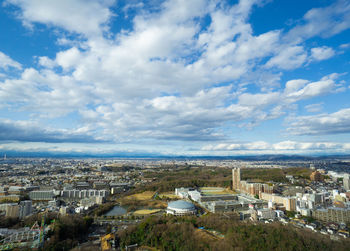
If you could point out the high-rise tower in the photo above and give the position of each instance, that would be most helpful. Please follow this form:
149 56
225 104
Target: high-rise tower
236 178
346 181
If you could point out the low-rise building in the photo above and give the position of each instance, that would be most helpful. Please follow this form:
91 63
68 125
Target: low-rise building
288 202
181 208
266 213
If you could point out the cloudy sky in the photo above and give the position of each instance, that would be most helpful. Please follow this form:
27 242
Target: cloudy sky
199 77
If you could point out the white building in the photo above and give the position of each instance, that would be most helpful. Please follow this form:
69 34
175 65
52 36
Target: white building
81 194
181 208
182 192
195 195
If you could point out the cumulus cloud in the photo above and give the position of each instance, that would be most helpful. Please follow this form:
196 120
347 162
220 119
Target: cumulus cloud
27 131
288 58
279 147
87 17
169 76
321 53
45 92
301 89
321 124
324 22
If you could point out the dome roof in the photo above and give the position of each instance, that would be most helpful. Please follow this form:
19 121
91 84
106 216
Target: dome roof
181 204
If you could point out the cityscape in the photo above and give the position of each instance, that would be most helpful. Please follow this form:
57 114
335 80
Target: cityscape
113 196
175 125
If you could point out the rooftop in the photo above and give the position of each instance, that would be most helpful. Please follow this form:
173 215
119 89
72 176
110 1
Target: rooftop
181 204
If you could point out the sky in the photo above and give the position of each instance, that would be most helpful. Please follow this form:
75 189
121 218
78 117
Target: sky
175 77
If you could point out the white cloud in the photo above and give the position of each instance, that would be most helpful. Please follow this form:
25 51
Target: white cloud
68 58
258 100
31 131
345 46
288 58
321 53
301 89
321 124
295 85
46 62
6 61
46 93
283 147
324 22
314 107
167 76
88 17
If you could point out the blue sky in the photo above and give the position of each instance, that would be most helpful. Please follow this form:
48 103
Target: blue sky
175 77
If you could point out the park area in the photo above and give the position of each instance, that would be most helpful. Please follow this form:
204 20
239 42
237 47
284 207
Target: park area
142 200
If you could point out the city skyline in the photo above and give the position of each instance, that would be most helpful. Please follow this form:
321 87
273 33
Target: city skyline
195 78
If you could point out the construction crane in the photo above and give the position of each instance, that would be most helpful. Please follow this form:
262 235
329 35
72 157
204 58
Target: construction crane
32 238
108 242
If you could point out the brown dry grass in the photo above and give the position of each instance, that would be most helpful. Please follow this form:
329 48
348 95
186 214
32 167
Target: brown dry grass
147 195
142 200
170 195
146 211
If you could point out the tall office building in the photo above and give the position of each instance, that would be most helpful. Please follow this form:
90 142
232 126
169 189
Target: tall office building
236 178
346 181
25 208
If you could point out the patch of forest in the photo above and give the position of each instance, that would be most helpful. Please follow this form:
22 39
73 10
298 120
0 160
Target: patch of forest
65 231
198 177
215 176
274 174
183 233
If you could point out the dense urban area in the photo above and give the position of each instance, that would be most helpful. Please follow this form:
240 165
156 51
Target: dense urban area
174 204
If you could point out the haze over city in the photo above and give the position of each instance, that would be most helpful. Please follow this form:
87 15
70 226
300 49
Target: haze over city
178 77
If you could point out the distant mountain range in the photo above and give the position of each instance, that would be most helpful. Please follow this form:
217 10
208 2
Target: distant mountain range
270 157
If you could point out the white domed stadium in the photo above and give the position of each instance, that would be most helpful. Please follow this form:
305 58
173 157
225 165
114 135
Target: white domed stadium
181 208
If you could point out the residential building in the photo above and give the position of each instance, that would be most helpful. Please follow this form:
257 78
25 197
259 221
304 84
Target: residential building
12 210
288 202
251 188
41 195
333 214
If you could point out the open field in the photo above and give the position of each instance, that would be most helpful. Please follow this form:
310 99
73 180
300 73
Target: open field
147 195
146 211
170 195
141 200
